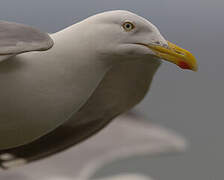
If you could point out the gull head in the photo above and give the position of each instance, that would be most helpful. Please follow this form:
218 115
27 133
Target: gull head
124 35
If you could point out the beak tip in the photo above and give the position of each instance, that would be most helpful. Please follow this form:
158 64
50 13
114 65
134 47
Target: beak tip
185 65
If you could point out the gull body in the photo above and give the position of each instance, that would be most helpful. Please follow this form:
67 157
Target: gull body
96 70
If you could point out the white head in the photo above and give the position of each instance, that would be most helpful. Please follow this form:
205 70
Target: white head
120 31
126 35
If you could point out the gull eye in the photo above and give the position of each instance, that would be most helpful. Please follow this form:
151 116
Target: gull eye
128 26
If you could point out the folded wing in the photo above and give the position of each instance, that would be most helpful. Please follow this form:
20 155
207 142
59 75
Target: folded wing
18 38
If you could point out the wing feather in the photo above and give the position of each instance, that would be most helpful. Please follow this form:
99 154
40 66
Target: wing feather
18 38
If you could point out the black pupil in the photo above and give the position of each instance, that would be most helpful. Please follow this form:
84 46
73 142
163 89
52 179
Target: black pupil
128 26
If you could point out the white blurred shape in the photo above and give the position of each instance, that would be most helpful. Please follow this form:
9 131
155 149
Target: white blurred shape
127 177
127 136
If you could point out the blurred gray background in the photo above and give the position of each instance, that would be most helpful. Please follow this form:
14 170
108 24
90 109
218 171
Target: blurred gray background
190 103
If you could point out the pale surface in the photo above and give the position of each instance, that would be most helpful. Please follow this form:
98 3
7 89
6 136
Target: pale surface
128 177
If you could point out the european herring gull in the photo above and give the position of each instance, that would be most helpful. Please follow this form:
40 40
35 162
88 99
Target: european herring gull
96 70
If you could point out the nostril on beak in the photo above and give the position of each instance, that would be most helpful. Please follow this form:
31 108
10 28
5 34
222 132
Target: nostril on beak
178 52
161 44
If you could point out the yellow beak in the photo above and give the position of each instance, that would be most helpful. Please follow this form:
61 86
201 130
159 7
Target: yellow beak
176 55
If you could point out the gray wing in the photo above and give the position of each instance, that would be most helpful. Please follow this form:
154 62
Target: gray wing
128 135
18 38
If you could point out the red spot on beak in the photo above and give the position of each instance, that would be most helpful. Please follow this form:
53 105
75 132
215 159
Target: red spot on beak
184 65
